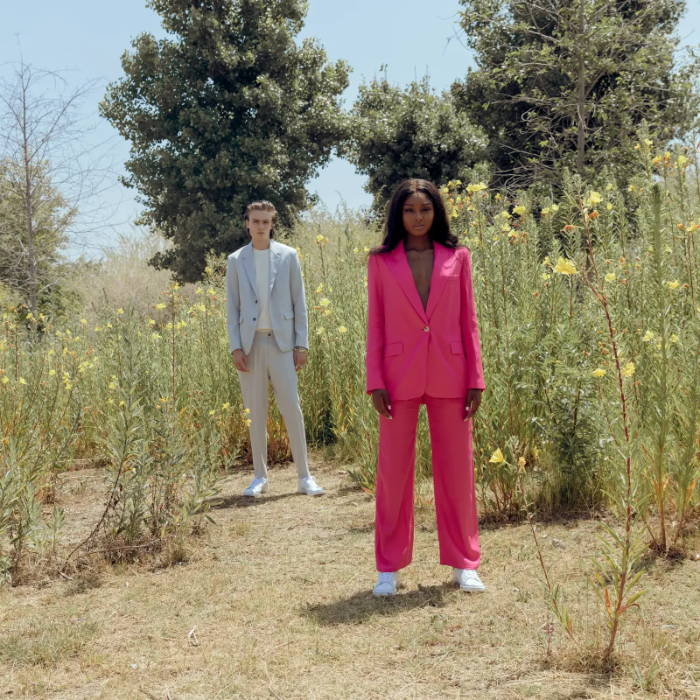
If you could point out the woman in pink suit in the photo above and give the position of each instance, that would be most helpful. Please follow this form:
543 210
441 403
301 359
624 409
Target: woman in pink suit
423 347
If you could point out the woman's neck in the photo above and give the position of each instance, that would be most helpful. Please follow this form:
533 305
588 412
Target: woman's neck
418 244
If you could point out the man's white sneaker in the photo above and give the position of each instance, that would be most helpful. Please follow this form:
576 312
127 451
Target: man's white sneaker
468 580
309 486
257 486
387 582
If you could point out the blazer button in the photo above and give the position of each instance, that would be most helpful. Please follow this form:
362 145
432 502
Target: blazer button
425 328
253 319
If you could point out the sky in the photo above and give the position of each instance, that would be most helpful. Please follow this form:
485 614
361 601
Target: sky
84 40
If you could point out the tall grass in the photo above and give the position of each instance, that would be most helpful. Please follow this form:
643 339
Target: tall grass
141 381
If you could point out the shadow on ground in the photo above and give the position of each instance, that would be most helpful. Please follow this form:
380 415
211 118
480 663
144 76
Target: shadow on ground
363 605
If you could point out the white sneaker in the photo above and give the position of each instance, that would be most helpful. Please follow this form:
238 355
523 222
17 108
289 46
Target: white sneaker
387 582
257 486
309 486
468 580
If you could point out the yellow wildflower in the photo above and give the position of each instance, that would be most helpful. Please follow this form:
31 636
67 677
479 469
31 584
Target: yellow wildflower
565 267
520 210
674 284
598 372
593 198
160 306
342 329
324 301
120 311
478 187
648 336
497 457
22 380
629 369
674 338
610 277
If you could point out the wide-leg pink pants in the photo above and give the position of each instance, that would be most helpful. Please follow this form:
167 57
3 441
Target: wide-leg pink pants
453 479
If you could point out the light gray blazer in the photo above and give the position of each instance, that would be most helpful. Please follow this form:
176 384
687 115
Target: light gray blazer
286 301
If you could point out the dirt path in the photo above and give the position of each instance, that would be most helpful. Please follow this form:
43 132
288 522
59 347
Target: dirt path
275 602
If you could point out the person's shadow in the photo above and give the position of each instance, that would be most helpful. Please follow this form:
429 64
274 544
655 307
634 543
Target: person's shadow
237 501
362 606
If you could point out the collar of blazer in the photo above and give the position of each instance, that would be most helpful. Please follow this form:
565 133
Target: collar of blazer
397 262
248 263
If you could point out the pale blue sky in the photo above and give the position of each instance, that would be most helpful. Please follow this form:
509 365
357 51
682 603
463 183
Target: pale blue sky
85 39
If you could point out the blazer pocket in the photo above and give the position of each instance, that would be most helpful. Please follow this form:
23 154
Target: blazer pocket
457 348
393 349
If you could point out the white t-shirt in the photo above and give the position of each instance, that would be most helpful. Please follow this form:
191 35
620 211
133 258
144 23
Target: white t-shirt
262 280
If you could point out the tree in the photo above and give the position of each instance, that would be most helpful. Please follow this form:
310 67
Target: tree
568 83
35 216
397 134
226 110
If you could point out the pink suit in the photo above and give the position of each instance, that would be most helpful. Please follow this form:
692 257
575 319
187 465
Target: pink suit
429 356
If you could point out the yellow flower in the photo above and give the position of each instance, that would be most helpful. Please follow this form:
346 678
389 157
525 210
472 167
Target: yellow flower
321 239
52 372
520 210
478 187
4 380
160 306
319 289
628 369
120 311
546 276
83 322
648 336
674 284
598 372
342 329
609 206
22 380
565 267
199 290
246 411
497 457
320 330
324 301
555 207
594 198
610 277
212 412
546 211
248 422
673 338
521 464
682 161
225 406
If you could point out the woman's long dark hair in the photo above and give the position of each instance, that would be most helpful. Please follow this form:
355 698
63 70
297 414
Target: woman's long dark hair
395 232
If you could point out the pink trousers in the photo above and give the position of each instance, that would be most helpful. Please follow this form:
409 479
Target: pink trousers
453 479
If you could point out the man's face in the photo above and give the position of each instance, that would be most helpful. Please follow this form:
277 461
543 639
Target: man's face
259 225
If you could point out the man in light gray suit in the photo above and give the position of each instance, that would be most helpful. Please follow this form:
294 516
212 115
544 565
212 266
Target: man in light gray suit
268 339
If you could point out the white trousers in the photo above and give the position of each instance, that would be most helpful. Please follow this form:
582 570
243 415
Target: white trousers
267 363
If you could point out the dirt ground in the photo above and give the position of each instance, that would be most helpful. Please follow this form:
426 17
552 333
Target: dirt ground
274 601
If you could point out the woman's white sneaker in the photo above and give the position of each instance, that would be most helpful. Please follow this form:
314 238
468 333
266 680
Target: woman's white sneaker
387 582
468 580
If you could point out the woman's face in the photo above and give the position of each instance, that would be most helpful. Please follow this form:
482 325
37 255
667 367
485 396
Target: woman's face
418 214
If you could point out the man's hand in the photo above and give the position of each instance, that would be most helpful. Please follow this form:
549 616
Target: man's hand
240 359
380 399
300 357
472 403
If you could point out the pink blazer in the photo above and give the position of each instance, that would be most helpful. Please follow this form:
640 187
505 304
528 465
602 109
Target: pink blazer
412 351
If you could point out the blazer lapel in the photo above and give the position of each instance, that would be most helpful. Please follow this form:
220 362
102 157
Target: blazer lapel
246 258
275 257
398 264
437 279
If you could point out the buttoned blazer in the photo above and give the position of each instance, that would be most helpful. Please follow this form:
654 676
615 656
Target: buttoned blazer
287 305
412 351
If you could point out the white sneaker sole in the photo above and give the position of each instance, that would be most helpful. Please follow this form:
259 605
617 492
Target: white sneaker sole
255 494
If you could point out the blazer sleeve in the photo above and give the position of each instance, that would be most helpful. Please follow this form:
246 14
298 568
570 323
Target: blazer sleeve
233 306
301 323
375 327
469 326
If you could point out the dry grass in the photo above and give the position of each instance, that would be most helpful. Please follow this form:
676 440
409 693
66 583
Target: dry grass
274 601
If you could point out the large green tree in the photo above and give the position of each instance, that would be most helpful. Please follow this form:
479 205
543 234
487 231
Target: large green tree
227 109
399 133
568 83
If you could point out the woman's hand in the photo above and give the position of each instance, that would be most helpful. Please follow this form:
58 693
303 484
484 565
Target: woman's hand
472 403
381 402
